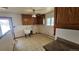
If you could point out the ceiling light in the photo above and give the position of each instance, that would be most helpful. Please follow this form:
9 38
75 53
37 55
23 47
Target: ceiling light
34 15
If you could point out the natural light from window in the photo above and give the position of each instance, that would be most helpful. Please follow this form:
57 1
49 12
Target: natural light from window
50 21
5 27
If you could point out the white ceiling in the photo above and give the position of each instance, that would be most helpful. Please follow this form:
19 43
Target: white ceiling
27 10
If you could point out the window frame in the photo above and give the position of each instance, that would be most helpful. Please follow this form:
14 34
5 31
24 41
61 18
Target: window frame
3 17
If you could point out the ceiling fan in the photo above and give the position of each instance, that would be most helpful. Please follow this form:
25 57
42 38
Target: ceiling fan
34 11
34 15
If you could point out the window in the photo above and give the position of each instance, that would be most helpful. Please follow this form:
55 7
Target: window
4 25
50 21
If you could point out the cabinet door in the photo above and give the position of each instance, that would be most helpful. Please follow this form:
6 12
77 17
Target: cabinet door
67 17
62 15
27 20
40 18
34 21
74 16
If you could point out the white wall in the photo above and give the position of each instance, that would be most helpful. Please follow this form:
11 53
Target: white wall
46 30
71 35
49 30
15 17
6 42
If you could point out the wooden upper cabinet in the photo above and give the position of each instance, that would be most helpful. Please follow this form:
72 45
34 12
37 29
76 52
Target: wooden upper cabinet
27 19
62 15
67 17
74 16
40 18
34 21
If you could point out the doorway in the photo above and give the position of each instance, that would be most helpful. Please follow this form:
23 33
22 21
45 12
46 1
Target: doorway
6 25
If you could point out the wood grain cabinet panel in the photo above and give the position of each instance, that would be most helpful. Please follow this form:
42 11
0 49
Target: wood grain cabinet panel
63 16
67 17
74 16
27 19
40 18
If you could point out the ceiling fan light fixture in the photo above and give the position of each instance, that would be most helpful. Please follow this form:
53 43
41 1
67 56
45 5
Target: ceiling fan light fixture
34 15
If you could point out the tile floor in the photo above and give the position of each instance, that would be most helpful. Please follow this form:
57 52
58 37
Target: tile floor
33 43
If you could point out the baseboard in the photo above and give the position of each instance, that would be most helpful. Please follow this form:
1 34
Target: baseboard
19 37
51 37
23 36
